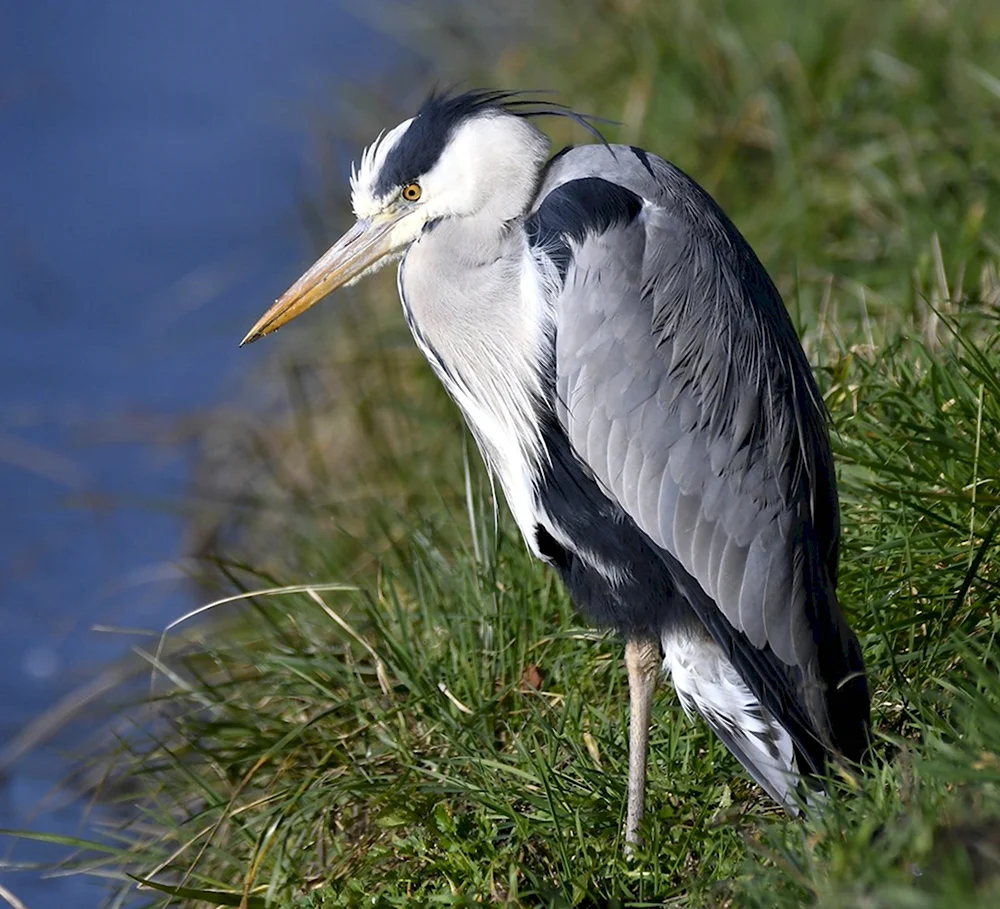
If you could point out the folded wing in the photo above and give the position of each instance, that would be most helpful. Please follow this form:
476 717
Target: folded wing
682 386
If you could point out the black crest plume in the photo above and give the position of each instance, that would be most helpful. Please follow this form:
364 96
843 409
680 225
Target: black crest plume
442 111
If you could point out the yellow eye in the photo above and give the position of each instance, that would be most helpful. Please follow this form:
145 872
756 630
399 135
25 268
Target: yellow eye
411 192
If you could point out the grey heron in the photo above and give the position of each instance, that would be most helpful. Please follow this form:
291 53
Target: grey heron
634 382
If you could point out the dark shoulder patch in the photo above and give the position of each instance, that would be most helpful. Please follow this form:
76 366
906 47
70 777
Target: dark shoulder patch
590 205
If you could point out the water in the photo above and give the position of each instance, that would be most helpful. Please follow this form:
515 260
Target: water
150 158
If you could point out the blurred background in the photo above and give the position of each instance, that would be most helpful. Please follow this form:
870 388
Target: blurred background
168 167
152 161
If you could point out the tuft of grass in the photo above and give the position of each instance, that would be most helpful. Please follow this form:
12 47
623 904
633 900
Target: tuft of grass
447 732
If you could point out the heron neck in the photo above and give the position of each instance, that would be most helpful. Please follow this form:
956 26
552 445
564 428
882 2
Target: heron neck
471 240
461 285
463 291
460 267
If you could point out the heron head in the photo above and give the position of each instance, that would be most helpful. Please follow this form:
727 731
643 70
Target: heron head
473 156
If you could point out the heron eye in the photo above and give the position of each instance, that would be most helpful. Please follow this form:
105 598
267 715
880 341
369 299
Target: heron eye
411 192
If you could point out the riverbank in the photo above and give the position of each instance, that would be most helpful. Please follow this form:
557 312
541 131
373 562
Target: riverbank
447 731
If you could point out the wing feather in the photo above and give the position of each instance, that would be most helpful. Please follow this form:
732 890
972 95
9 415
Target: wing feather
685 392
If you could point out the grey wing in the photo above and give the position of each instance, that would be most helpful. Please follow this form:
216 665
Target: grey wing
682 386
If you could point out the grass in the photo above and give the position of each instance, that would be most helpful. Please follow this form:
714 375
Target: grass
447 731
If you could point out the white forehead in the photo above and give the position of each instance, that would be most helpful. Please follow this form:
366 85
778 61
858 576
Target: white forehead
476 158
363 199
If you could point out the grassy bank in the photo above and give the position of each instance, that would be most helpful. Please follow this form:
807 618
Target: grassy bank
447 731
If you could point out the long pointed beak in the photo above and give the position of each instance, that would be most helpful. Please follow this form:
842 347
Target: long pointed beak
367 242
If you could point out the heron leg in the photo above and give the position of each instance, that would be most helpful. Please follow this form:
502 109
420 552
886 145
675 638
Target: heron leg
642 658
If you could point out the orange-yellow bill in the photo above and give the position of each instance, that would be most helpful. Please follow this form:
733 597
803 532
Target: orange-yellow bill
348 259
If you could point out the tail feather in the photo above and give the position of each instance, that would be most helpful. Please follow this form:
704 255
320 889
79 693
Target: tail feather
707 683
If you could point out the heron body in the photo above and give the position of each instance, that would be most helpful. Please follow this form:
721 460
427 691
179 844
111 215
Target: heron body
634 382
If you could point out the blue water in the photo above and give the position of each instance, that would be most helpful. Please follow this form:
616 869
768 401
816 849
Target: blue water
151 157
